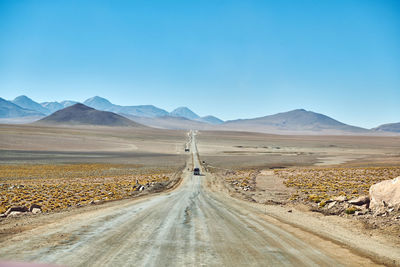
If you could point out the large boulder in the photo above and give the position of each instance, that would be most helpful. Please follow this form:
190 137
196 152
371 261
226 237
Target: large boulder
35 206
36 210
385 194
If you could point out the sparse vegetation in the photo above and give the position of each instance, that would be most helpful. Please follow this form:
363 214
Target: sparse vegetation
320 184
56 187
351 210
242 179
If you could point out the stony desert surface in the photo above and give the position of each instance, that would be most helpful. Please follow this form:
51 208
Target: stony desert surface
319 176
91 144
118 193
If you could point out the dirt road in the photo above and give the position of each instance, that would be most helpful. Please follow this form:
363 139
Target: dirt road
189 226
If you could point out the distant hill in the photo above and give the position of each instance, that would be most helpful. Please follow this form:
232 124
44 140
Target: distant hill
68 103
141 110
185 113
296 121
144 111
27 103
211 120
170 122
11 110
55 106
80 114
52 106
99 103
389 127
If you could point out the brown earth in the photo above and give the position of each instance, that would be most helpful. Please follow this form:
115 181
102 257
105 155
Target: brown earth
205 221
238 150
91 144
234 156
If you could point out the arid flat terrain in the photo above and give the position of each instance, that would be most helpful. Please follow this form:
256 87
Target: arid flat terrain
236 150
91 144
238 212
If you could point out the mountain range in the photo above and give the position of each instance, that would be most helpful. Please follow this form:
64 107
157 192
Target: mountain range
79 114
297 121
10 110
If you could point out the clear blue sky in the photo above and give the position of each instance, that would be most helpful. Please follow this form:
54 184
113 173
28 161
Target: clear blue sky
232 59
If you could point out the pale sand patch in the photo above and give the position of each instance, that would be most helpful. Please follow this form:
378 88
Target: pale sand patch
336 160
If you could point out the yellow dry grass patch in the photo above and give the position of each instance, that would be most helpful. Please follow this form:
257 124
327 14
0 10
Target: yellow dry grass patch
60 186
319 184
242 178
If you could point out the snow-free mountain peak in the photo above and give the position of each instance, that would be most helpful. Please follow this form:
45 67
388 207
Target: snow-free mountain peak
99 103
27 103
211 120
185 113
10 110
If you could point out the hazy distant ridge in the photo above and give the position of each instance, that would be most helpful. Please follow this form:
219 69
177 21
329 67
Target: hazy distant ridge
185 112
298 120
142 110
27 103
389 127
11 110
55 106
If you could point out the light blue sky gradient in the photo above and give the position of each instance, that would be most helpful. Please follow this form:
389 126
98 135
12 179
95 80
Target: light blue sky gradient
232 59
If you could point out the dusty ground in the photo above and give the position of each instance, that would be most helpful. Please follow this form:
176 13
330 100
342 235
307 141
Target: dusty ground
248 165
235 150
196 224
43 145
204 221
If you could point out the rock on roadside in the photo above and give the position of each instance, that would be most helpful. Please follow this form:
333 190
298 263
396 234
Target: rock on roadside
16 208
15 213
359 201
340 198
385 194
36 210
35 206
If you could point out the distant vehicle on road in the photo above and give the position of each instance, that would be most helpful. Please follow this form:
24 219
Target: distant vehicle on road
187 150
196 171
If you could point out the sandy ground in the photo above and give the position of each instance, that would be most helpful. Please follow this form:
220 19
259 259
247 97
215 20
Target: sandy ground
197 224
47 145
235 150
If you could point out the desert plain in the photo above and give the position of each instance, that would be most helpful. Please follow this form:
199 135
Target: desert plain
127 196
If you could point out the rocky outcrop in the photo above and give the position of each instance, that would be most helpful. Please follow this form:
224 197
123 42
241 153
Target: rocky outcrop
15 211
385 194
16 208
340 198
359 201
15 214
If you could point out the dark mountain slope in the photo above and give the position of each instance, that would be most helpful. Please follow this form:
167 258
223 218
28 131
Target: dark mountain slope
80 114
